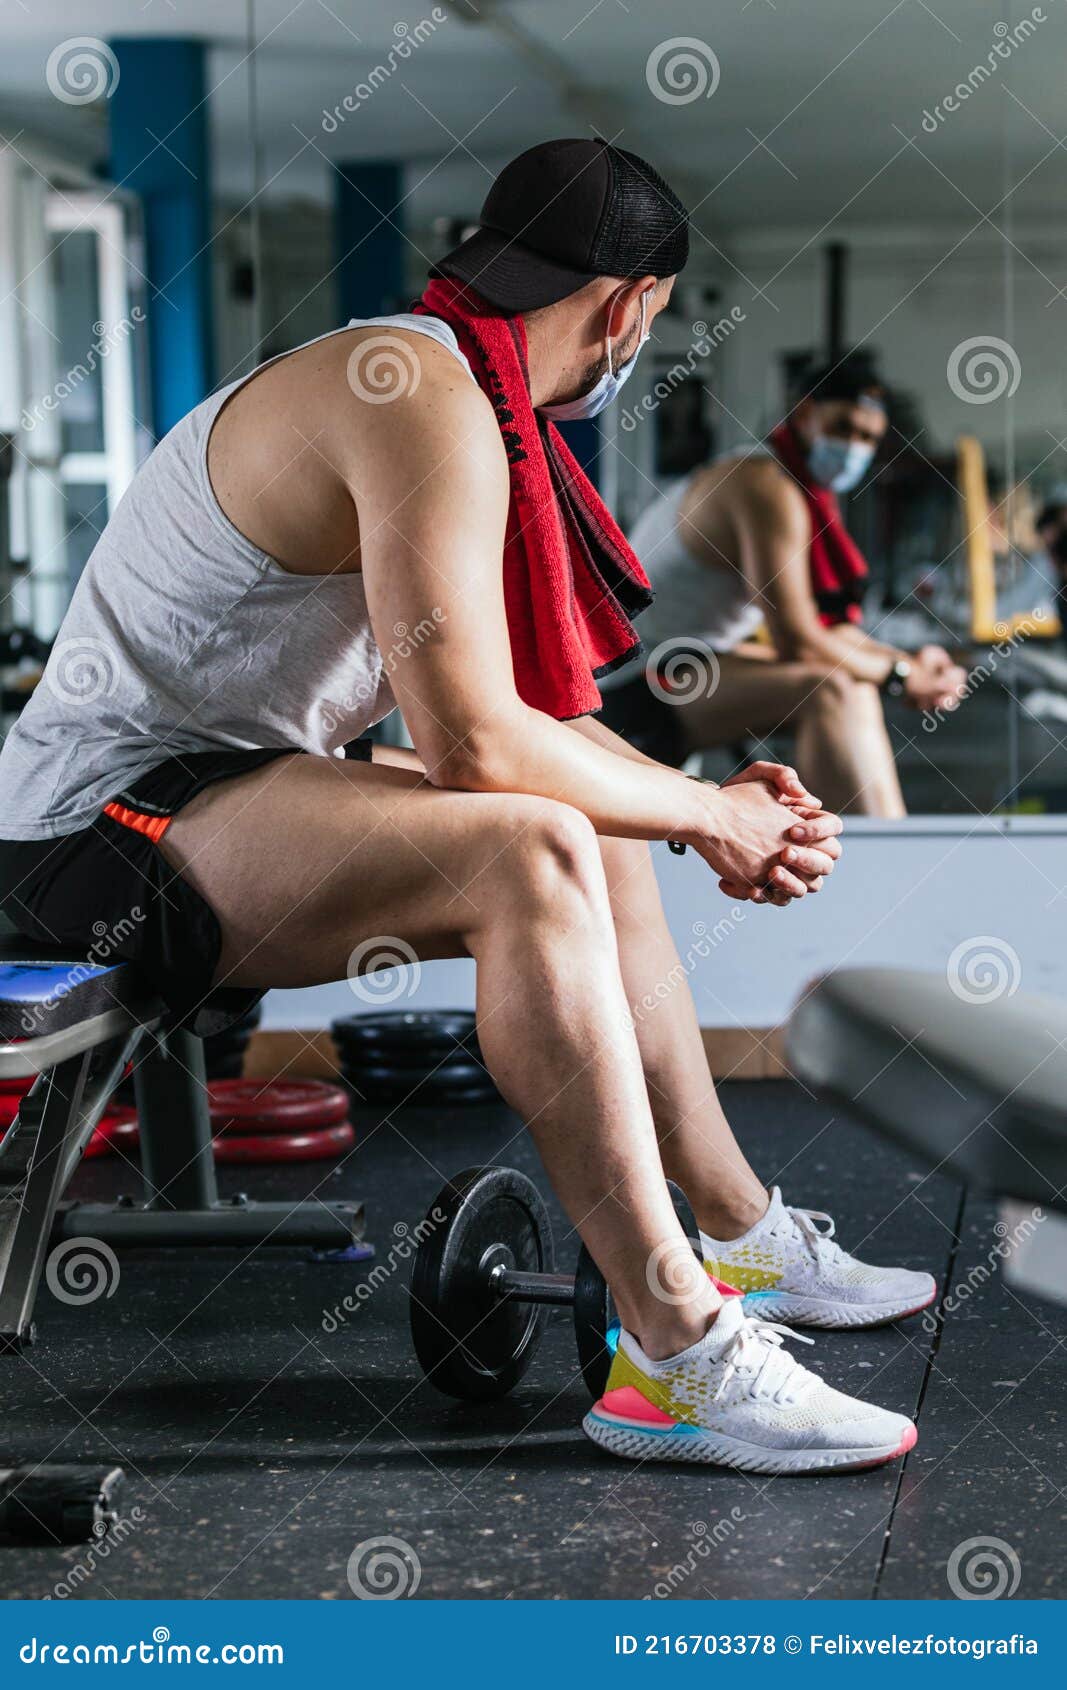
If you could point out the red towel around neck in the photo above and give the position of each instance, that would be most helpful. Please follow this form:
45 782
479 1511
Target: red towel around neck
838 567
571 582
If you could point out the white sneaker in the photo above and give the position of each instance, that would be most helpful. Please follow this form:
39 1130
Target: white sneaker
737 1399
789 1268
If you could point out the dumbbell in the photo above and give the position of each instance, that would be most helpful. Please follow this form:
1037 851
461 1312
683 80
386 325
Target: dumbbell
484 1279
58 1504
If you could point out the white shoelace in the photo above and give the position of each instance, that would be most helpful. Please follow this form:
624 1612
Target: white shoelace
755 1350
819 1239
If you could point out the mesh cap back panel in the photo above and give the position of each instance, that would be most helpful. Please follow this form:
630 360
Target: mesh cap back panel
646 227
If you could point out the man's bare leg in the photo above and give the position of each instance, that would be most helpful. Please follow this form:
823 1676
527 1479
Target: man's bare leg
697 1144
843 751
843 740
308 858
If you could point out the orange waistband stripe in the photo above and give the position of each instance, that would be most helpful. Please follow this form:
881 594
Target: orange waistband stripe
153 827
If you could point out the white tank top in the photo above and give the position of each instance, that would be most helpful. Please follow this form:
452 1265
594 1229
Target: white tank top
182 636
694 600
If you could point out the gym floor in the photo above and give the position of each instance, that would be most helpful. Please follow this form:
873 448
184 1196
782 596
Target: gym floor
261 1448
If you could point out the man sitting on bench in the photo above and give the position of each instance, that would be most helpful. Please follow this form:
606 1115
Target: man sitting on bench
387 515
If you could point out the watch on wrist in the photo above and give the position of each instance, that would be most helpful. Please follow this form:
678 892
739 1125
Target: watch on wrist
678 845
896 681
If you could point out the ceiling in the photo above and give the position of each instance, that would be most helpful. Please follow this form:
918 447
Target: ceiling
816 121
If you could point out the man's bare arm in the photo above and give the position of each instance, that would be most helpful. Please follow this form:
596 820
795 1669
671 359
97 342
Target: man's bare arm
773 529
432 496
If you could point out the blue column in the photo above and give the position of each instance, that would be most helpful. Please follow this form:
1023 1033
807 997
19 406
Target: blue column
369 240
159 150
583 438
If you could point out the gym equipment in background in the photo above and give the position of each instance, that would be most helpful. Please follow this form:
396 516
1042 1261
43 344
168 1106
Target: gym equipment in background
224 1054
484 1278
986 626
58 1504
962 1071
421 1058
86 1024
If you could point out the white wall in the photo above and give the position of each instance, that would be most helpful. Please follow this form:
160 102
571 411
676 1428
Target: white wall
914 294
900 898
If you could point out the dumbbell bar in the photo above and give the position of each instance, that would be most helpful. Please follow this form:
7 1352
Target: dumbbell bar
484 1276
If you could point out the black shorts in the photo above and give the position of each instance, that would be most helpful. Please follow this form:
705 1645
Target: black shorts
109 892
645 721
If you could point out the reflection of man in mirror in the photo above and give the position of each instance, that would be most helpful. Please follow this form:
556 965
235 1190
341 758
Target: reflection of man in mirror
1052 532
753 545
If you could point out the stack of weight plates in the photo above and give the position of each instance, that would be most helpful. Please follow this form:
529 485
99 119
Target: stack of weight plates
421 1058
224 1053
278 1120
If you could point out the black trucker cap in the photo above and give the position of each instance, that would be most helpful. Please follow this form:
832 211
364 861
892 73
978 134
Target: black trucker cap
564 213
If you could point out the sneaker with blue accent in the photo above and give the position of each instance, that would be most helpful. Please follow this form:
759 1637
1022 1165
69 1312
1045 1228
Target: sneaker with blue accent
739 1399
790 1267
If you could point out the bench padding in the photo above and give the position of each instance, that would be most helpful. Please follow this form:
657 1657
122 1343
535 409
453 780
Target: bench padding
979 1086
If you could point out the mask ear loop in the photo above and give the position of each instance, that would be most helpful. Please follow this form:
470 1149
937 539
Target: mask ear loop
640 337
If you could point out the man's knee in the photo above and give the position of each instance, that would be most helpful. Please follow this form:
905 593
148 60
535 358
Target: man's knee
827 688
552 852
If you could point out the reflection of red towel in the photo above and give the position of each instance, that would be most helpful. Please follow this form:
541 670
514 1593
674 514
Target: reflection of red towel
838 567
571 582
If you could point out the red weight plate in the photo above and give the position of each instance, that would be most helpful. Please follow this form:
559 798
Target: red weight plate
286 1147
275 1106
109 1130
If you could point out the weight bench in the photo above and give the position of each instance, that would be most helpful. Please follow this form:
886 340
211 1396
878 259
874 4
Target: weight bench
75 1025
978 1087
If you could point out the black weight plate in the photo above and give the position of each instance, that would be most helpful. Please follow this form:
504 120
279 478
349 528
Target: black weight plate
470 1343
390 1054
595 1319
595 1324
405 1026
226 1067
452 1077
684 1210
421 1097
411 1058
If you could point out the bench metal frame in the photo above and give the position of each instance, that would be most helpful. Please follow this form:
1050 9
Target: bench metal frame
77 1069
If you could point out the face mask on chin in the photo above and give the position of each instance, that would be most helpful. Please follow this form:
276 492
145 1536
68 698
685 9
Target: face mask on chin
838 464
603 392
